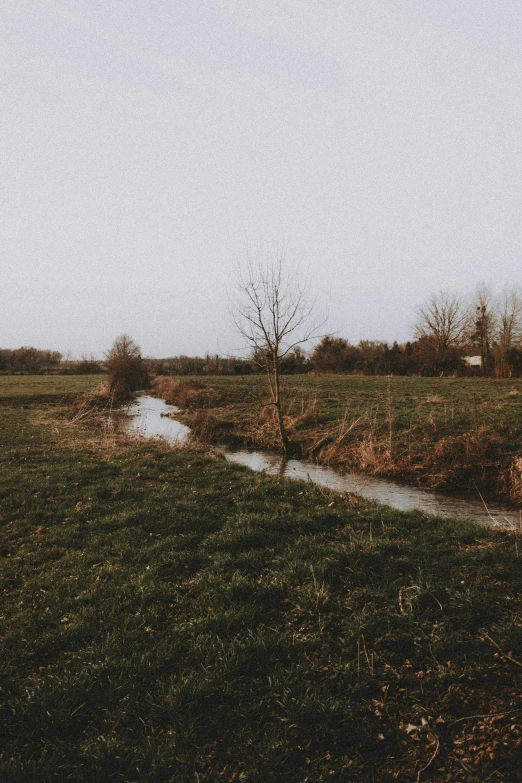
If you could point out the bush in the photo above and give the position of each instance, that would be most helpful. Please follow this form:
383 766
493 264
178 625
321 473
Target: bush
127 371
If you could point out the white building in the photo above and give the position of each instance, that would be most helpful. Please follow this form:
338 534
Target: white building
473 361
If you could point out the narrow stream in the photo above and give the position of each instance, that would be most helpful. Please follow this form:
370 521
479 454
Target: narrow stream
148 418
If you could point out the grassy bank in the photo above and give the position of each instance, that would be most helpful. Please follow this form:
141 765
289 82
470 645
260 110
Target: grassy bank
438 432
170 617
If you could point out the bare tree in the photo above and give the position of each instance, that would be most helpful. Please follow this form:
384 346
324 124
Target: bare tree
509 318
482 322
273 313
442 321
509 328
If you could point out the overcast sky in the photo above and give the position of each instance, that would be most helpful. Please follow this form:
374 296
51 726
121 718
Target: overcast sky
145 144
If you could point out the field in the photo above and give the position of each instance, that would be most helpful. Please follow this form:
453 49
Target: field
438 432
168 617
52 388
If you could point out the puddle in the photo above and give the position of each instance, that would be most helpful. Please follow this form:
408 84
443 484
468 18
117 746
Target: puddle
147 418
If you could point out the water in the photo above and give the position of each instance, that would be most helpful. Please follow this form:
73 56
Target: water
147 418
403 497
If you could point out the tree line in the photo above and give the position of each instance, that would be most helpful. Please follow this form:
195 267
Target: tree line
28 361
486 325
448 331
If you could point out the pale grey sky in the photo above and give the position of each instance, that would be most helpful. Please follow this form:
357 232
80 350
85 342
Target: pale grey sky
144 144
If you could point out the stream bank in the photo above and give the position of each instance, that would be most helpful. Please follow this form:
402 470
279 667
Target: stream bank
151 417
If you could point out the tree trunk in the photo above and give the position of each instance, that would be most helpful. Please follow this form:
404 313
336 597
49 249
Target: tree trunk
285 443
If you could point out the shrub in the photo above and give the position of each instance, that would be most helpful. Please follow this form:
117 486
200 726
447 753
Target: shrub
127 371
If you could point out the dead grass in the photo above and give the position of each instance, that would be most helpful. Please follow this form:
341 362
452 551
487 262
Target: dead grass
435 433
188 395
93 407
456 459
205 428
434 399
513 480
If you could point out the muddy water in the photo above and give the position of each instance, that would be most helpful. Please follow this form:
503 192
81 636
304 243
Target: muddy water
147 417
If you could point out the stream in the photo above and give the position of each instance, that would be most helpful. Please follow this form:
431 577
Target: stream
149 417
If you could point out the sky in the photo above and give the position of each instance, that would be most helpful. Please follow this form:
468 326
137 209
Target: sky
148 147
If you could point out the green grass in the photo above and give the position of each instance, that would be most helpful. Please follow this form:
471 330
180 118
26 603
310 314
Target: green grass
170 617
45 386
441 432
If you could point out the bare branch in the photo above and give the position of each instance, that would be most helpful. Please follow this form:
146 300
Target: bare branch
272 313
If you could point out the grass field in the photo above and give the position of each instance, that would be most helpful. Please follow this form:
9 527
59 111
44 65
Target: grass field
440 432
169 617
44 387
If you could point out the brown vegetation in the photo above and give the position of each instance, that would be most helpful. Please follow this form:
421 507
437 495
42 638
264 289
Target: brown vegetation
188 395
126 369
438 434
462 459
93 407
513 480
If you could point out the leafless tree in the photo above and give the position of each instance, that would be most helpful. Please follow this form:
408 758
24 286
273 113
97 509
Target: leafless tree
509 328
509 318
482 321
273 313
442 321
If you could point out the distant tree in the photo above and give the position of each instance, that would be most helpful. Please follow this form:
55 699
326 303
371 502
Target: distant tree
508 333
509 316
481 326
30 361
331 355
441 325
126 368
272 312
87 365
373 357
296 362
424 359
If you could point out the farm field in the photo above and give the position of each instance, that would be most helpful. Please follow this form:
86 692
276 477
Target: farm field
45 387
167 616
438 432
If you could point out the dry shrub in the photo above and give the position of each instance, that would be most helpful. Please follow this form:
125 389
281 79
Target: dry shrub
92 407
368 455
305 419
186 394
162 385
369 458
267 414
512 483
460 458
263 431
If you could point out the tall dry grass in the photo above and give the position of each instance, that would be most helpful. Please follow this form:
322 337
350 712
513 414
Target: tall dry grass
189 394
